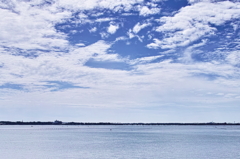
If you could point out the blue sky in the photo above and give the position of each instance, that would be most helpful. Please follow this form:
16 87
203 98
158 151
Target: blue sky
120 60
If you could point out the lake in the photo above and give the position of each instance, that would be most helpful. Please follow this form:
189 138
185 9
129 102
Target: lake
119 142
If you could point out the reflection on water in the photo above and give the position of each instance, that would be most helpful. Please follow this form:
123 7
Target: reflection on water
120 142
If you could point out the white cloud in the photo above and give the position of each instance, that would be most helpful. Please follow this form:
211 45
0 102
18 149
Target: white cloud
133 35
235 26
130 34
187 57
151 4
144 59
30 28
197 1
82 16
192 23
160 78
76 5
121 38
112 28
31 25
97 14
234 58
103 19
145 11
94 29
128 14
52 66
138 27
108 57
104 35
80 44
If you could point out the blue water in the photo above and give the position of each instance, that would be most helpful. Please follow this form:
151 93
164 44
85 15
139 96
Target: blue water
120 142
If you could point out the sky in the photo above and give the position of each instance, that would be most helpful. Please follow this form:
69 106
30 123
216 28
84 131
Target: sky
120 60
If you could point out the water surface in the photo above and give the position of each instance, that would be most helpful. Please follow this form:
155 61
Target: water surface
119 142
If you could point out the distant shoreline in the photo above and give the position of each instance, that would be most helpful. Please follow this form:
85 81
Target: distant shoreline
103 123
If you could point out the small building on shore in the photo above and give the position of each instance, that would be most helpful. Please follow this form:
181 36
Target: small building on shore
57 122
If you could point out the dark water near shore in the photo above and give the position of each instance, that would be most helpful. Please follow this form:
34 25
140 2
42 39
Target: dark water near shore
120 142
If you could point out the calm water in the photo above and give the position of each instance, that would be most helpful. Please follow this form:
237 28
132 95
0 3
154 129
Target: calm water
120 142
